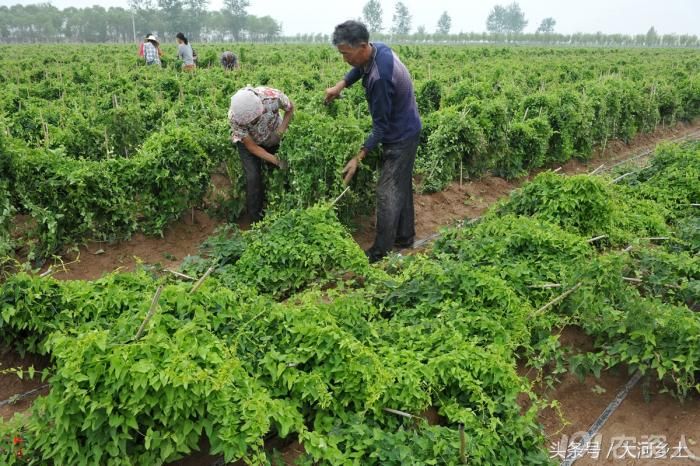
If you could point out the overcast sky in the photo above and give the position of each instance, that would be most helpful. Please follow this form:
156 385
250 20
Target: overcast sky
608 16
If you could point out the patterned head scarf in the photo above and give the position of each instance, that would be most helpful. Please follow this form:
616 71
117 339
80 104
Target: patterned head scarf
246 106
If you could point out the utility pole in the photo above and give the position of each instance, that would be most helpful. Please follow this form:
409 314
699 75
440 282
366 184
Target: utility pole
133 24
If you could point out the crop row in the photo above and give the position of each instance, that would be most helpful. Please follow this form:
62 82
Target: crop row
294 333
506 110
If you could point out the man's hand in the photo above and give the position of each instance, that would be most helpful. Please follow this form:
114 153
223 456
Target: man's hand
333 93
349 170
281 164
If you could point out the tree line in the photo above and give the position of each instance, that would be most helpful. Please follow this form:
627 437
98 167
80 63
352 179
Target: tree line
42 23
504 24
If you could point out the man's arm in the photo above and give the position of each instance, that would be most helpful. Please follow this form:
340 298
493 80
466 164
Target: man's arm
380 107
260 152
288 114
350 78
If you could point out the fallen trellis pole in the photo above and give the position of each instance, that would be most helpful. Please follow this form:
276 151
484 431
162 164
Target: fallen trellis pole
593 240
546 285
621 177
559 298
639 280
151 312
596 170
633 280
180 275
201 280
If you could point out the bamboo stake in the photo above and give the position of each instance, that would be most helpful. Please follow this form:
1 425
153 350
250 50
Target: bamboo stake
546 285
559 298
656 238
151 312
633 280
596 170
558 169
180 275
201 280
621 177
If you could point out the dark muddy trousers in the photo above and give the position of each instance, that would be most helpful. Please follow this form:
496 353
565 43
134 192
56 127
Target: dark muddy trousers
254 188
395 216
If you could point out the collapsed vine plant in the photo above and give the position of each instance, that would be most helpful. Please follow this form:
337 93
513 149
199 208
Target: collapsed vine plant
311 341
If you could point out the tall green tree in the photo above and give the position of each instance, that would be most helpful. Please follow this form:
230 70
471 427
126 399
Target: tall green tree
444 24
173 12
372 15
509 19
547 26
402 20
652 37
235 16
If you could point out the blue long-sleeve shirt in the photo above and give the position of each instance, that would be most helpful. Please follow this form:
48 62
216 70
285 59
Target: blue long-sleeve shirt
389 92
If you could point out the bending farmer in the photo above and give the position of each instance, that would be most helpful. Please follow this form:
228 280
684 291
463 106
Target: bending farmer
256 128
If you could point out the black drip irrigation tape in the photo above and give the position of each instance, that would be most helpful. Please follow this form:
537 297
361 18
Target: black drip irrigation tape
688 137
605 415
20 396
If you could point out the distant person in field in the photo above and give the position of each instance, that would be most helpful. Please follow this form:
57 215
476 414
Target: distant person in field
141 46
395 125
257 128
185 52
151 50
229 61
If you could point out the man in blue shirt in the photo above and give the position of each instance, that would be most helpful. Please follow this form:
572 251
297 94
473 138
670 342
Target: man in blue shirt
395 125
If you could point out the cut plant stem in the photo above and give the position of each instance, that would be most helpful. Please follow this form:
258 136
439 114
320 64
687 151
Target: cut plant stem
462 445
339 197
151 312
399 413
